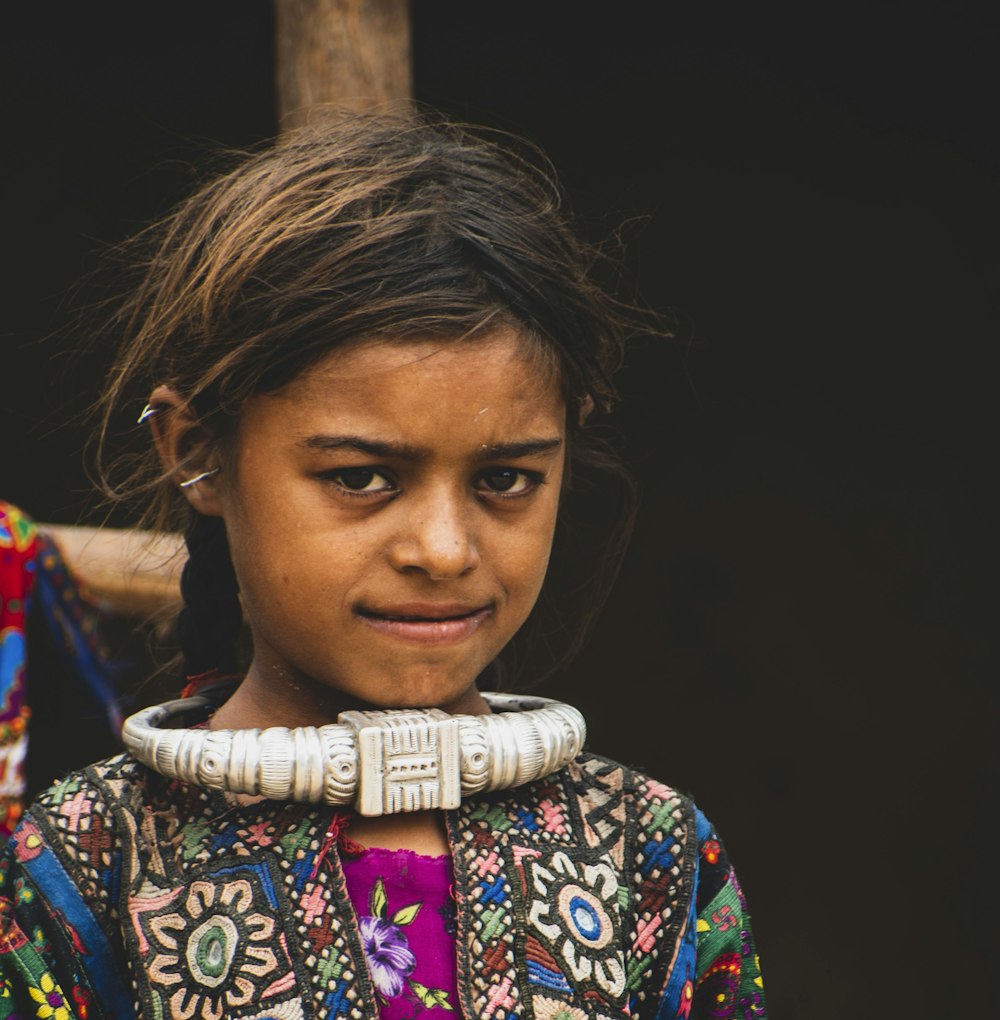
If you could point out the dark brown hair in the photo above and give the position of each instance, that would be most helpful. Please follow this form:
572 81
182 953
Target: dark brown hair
379 226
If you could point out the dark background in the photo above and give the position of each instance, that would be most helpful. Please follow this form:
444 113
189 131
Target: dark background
802 632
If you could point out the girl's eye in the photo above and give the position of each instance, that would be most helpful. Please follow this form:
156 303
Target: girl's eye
509 482
358 481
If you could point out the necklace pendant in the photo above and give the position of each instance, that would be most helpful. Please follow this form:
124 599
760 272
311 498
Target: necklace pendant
408 760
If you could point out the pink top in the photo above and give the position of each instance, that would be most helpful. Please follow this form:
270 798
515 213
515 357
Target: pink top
406 913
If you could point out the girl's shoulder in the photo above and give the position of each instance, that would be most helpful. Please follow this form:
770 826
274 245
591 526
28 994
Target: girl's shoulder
597 815
64 858
661 828
594 800
85 818
686 897
600 854
607 789
71 802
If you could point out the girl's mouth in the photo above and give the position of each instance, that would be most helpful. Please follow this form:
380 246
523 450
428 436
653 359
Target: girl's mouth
427 624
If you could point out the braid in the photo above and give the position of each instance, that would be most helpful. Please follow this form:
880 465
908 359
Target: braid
210 622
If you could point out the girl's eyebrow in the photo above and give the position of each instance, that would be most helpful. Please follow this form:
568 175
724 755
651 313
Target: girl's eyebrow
527 448
358 444
403 451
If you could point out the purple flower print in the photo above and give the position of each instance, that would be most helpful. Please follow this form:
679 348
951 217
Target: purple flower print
388 954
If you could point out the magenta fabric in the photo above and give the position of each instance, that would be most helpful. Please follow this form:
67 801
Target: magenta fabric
406 914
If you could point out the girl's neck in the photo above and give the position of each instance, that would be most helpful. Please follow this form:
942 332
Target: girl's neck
252 706
424 832
284 700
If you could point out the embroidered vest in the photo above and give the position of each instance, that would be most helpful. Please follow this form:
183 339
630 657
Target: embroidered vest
572 898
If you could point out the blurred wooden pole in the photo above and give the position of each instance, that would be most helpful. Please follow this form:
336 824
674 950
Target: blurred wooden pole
350 54
127 572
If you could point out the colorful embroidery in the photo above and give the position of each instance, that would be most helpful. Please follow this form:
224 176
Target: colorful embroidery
243 912
553 1009
18 549
665 865
31 568
213 947
728 983
49 999
574 915
485 917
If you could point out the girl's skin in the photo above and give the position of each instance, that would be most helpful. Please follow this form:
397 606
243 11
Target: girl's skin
390 514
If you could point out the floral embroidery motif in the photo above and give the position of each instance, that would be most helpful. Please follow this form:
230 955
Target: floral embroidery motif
575 911
553 1009
719 988
388 954
49 998
82 1000
710 850
215 951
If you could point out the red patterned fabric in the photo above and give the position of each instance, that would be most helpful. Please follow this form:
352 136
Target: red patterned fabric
18 547
32 571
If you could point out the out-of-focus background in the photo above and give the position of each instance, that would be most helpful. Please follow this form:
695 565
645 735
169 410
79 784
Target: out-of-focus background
802 635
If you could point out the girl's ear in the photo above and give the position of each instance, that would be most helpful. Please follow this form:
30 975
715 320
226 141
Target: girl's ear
186 449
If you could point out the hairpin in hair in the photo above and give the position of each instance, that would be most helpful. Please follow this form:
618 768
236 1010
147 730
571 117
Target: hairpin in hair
147 412
199 478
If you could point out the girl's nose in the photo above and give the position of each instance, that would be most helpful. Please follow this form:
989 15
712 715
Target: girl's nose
437 540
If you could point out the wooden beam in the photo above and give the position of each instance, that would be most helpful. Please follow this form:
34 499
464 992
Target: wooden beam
349 54
128 572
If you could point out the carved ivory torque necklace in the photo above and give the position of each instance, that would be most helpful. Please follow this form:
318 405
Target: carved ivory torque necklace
382 762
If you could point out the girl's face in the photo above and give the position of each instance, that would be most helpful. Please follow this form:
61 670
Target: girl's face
390 514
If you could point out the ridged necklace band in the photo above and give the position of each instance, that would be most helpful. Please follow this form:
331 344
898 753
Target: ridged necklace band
381 762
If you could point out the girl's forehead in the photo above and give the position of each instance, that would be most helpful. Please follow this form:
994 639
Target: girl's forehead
431 356
496 379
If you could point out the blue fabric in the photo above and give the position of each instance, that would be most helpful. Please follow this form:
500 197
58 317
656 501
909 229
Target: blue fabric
97 957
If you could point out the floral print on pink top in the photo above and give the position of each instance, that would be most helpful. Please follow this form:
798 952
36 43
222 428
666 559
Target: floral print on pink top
406 915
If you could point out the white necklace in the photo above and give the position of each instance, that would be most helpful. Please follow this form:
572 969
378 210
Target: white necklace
382 762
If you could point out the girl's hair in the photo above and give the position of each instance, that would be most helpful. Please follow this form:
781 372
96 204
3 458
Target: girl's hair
375 226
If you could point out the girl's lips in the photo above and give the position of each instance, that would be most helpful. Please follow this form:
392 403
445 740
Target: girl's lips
430 627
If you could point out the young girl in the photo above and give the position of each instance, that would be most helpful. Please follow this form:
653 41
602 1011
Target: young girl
372 358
